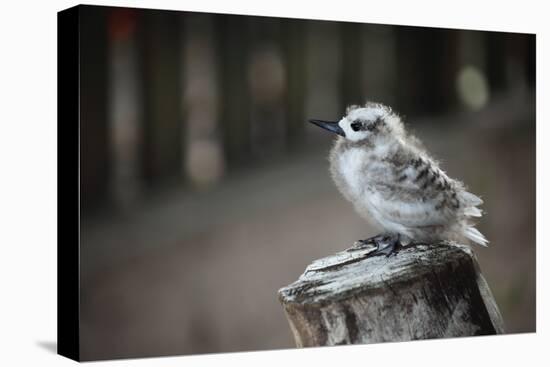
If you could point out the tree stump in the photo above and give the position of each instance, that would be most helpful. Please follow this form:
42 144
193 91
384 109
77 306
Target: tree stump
424 291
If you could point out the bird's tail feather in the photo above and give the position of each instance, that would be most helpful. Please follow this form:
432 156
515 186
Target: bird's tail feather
470 199
476 236
472 211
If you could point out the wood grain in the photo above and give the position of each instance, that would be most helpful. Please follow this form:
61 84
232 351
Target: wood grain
425 291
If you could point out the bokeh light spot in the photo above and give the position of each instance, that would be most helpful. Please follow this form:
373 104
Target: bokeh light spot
472 87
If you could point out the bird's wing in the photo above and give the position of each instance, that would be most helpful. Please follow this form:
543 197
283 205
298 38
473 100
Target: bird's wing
418 195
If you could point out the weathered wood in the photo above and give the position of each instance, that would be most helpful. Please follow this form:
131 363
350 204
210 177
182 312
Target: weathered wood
423 292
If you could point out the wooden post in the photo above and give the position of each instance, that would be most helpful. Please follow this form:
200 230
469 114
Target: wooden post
423 292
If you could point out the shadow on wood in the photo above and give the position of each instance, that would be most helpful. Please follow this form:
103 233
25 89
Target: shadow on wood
423 292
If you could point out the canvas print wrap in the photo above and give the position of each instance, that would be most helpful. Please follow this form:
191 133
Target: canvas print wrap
213 218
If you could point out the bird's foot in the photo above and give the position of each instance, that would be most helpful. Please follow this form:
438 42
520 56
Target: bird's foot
386 244
368 242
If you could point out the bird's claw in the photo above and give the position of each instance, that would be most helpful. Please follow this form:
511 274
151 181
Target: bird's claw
387 245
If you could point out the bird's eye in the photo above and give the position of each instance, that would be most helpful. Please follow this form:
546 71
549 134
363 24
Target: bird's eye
356 125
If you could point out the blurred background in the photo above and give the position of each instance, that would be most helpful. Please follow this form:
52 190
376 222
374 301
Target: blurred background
204 189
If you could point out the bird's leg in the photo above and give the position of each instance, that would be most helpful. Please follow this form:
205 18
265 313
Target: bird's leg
388 244
370 241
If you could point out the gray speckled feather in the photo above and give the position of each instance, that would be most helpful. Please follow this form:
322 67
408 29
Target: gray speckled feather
393 182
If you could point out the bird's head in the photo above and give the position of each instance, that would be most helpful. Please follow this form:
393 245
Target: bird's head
364 122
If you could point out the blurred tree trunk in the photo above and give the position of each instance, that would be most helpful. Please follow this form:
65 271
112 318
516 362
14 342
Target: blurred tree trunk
378 46
531 60
162 67
517 59
124 106
324 64
94 149
266 80
352 64
427 68
296 79
234 96
496 60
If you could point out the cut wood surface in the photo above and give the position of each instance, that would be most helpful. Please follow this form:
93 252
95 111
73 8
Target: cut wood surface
424 291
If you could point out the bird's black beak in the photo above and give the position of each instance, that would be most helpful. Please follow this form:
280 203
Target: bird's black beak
329 125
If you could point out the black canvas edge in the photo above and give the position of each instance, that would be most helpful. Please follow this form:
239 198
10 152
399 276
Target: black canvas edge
68 184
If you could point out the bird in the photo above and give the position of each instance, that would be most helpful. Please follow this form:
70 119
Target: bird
395 184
